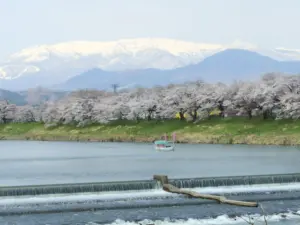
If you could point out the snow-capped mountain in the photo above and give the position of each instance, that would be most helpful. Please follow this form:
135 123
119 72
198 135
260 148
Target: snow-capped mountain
47 65
115 55
225 66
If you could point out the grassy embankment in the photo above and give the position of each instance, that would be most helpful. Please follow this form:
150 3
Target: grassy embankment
225 131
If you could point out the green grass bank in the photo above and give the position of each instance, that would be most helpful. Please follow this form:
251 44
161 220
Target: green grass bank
214 131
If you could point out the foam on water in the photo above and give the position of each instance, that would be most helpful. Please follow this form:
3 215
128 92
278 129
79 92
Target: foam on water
286 218
143 194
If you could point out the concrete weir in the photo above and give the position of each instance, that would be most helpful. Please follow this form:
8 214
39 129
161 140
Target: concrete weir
235 180
147 184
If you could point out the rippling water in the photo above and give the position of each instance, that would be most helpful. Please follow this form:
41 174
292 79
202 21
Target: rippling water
206 214
30 162
156 205
23 163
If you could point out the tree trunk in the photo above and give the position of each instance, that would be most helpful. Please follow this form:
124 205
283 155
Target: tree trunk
150 113
137 119
221 199
195 115
163 179
4 120
208 115
249 112
181 115
265 115
222 109
222 114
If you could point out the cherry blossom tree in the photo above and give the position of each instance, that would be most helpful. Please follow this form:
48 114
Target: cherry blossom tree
52 114
249 97
7 112
176 101
25 114
273 96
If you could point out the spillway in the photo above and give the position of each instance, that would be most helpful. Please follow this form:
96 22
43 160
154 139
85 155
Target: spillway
147 184
236 180
131 199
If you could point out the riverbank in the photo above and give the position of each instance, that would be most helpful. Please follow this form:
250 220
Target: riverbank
214 131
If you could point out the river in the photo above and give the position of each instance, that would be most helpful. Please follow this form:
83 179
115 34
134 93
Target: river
32 162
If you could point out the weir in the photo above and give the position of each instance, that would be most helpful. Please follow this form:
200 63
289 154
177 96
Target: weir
147 184
77 188
235 180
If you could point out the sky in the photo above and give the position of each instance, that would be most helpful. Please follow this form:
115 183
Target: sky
266 23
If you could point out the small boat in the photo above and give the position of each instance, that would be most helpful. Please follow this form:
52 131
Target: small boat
165 145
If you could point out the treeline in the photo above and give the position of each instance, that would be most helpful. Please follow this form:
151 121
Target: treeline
274 96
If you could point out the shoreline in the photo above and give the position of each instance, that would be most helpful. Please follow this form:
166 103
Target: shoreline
144 142
247 140
234 131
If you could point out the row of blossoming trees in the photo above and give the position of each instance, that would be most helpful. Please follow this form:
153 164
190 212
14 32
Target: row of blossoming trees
274 96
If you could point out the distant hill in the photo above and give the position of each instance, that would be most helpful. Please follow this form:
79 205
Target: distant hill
238 64
36 96
12 97
225 66
32 96
100 79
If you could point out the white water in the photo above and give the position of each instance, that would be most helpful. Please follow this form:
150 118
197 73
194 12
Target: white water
106 196
289 218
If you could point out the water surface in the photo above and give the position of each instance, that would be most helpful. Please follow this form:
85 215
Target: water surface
33 162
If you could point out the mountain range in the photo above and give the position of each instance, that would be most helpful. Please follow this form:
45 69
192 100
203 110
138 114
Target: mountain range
225 66
34 96
144 62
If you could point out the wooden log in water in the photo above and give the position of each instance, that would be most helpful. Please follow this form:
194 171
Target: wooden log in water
172 189
163 179
221 199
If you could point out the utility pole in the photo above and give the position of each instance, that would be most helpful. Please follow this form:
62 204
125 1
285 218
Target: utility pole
115 87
